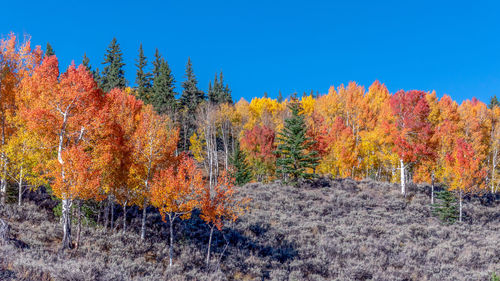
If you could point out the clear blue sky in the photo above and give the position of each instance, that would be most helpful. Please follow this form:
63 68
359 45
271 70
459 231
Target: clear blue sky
292 46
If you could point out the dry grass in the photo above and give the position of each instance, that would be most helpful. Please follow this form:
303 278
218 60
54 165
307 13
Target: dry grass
325 230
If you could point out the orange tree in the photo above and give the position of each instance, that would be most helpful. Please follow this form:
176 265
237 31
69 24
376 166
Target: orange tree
60 112
175 192
220 204
464 171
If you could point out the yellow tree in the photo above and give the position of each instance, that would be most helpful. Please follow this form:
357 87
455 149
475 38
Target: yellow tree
26 160
16 62
154 144
495 149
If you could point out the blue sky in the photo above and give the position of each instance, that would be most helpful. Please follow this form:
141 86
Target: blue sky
292 46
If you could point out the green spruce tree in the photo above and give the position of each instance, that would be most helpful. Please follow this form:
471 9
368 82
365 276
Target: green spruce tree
49 51
86 62
280 97
113 75
142 78
156 64
162 92
219 93
294 151
493 102
191 96
190 99
241 170
445 207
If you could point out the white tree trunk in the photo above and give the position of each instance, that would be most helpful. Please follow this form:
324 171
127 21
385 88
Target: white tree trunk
403 190
66 221
460 207
209 244
20 199
171 246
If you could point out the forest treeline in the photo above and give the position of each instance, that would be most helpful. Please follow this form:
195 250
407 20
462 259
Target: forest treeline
88 136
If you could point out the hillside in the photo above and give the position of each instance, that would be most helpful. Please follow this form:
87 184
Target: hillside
326 230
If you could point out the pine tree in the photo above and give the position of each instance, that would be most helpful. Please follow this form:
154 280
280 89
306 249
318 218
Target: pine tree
295 153
280 97
494 102
86 62
49 51
162 92
156 64
446 206
219 93
113 75
241 173
142 78
191 96
95 72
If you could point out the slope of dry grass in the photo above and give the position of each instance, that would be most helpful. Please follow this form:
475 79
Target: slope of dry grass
326 230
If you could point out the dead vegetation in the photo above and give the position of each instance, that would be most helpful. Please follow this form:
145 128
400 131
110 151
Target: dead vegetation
322 230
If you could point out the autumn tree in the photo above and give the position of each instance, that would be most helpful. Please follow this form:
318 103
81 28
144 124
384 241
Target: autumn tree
61 111
220 204
175 192
154 143
296 159
411 130
113 152
464 171
258 144
16 62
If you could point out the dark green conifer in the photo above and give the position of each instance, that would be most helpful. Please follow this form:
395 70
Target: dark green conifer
162 92
241 170
86 62
280 97
494 102
113 75
445 207
49 51
191 96
294 151
142 78
219 93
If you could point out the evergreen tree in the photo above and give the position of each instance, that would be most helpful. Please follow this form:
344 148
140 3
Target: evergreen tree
95 72
191 96
494 102
280 97
162 92
241 170
142 78
86 62
446 206
49 51
156 64
113 75
295 154
219 93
